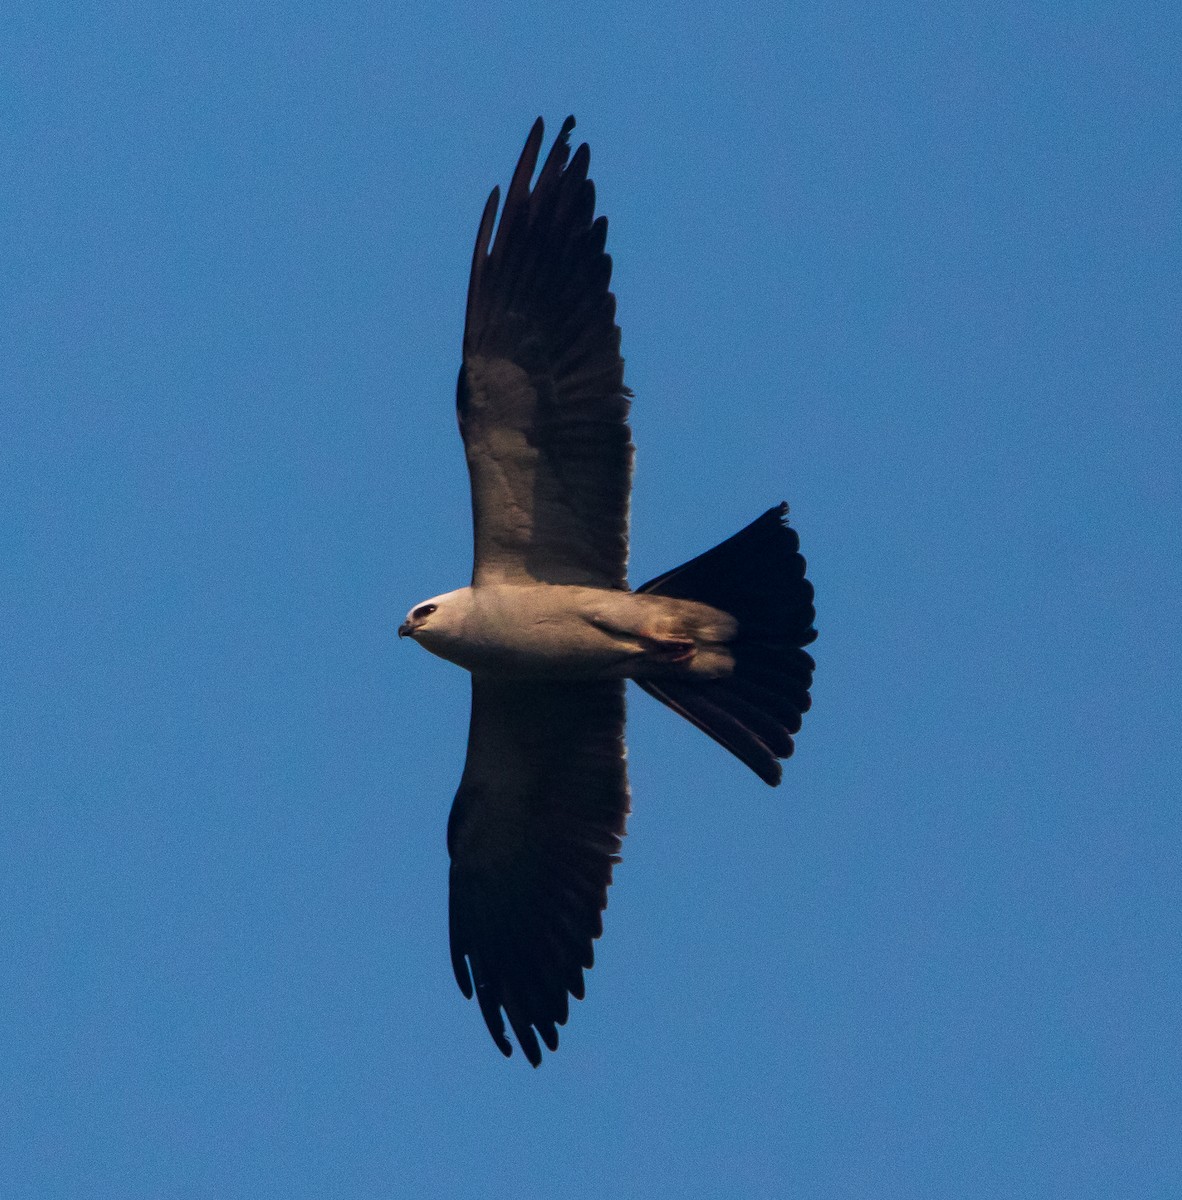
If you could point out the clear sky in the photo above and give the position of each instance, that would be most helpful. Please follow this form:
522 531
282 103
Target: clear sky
914 268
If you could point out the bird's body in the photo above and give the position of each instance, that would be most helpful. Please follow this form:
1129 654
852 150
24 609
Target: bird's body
569 632
548 627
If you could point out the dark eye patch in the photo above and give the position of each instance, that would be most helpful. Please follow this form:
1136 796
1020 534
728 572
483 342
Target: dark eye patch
423 610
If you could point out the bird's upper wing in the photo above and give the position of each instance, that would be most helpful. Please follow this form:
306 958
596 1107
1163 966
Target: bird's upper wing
533 834
541 399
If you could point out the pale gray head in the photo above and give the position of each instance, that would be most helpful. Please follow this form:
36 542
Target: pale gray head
435 622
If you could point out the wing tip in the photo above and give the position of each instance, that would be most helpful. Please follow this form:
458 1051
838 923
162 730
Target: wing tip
459 966
539 126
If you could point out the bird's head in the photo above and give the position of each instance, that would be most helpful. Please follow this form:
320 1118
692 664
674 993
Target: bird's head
417 618
434 621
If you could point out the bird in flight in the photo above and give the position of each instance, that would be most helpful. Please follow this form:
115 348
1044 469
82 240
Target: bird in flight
549 628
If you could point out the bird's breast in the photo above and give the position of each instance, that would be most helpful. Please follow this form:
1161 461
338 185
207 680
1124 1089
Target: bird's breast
547 631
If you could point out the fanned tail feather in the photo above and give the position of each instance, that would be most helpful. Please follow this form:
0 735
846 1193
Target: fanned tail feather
758 577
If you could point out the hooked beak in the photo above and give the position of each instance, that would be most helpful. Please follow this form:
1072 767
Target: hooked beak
406 629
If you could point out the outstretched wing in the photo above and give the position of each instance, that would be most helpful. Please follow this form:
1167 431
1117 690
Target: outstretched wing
535 829
541 399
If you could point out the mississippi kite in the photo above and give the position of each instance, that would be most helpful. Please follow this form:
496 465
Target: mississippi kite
549 628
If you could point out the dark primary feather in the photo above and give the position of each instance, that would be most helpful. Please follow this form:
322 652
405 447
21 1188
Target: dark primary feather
535 829
541 399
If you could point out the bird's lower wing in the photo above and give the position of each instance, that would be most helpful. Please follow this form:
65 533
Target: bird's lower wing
534 832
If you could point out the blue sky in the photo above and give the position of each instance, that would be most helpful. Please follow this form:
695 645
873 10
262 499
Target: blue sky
915 269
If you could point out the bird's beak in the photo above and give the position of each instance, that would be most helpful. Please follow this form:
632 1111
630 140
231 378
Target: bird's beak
405 629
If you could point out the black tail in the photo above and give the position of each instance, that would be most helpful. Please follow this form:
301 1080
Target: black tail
758 577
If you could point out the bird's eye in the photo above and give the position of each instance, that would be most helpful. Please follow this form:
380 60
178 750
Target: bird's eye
423 610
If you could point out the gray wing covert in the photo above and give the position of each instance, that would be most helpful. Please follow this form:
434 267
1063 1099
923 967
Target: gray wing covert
534 832
541 400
